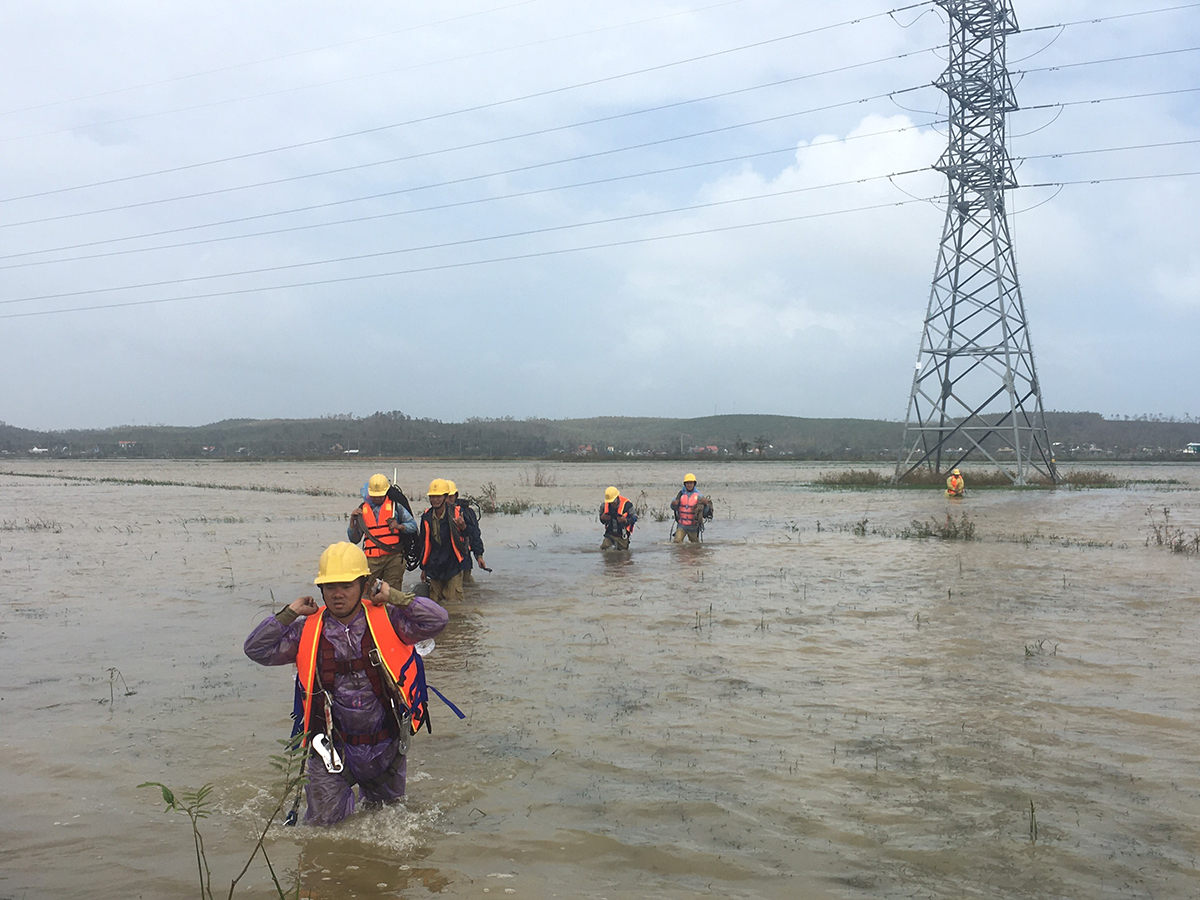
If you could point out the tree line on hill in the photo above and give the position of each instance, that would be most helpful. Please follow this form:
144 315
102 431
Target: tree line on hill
396 435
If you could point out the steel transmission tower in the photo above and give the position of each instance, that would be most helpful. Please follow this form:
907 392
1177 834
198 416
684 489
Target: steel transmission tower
975 391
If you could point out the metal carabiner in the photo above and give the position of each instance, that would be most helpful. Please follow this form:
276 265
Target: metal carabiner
328 754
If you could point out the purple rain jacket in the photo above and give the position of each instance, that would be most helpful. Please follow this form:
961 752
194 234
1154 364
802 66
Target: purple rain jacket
275 641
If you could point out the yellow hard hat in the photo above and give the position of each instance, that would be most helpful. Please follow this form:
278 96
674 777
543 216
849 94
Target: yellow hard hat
340 563
688 477
956 472
611 494
451 487
438 487
378 485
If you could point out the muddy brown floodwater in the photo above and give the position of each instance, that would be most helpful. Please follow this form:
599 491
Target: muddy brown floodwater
789 709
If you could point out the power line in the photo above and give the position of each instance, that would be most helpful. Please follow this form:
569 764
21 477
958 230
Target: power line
579 158
1112 180
477 108
555 252
495 198
464 241
413 156
1097 100
1063 153
1112 18
535 254
1111 59
347 79
464 264
270 59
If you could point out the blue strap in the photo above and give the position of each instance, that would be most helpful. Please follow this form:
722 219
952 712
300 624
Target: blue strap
454 709
298 709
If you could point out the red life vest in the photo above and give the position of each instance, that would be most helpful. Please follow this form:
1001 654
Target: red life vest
381 533
622 506
685 507
316 656
457 541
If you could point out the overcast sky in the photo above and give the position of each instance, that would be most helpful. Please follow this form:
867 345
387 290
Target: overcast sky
555 208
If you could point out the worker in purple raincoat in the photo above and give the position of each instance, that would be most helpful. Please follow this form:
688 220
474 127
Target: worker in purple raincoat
369 746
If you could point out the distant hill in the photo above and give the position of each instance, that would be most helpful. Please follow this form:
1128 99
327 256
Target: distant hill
1077 435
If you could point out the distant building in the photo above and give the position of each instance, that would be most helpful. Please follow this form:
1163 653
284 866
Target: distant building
39 450
1192 448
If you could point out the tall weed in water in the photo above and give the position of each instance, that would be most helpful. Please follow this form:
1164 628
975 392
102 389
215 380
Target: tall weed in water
195 805
960 529
488 502
1162 533
541 477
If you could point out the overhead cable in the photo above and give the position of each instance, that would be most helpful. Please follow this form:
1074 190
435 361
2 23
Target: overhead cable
469 263
463 242
461 111
501 197
270 59
349 78
584 156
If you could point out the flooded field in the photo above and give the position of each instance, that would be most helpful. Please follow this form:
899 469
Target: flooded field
805 705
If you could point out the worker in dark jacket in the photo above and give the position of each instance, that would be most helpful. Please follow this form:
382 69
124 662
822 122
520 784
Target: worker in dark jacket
443 542
618 517
473 534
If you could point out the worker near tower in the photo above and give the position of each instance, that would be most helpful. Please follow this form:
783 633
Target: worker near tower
955 486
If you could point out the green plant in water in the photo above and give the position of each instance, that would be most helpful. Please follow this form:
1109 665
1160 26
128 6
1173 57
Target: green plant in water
960 529
486 498
1033 825
195 805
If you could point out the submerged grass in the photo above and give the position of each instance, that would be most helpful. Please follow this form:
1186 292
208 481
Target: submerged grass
960 529
975 478
38 524
207 485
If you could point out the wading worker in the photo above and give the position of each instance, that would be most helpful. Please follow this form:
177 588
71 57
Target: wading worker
473 535
691 509
618 517
383 526
955 486
357 667
443 544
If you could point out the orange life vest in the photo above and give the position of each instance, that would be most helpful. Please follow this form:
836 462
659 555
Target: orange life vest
686 508
457 541
623 506
381 533
400 659
954 486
